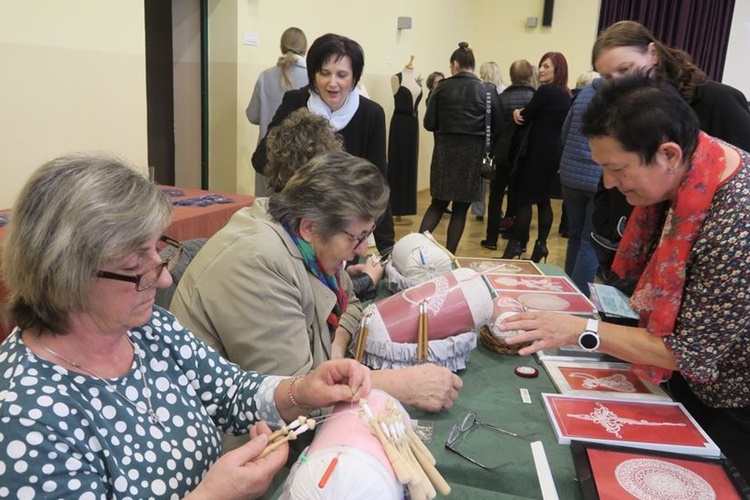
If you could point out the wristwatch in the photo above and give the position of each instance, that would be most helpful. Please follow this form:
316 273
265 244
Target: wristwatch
589 339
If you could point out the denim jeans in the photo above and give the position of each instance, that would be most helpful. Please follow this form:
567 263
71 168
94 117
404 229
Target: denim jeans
580 260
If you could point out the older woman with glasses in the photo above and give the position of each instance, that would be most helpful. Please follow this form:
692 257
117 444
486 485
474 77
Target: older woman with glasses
268 291
104 394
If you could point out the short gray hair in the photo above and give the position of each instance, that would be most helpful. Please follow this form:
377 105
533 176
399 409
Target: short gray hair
331 190
74 215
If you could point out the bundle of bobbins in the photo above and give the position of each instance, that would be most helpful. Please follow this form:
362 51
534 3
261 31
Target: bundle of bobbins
498 344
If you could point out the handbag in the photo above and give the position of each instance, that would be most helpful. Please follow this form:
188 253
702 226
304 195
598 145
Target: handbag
488 162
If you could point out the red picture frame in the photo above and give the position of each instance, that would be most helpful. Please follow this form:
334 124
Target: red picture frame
617 473
502 266
653 425
592 378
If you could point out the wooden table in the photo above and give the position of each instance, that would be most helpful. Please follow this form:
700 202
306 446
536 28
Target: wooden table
187 223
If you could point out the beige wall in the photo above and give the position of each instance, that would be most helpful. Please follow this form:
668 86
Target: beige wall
74 71
494 28
73 79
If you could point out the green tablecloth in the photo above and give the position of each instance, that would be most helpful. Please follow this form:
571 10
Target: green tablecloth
491 389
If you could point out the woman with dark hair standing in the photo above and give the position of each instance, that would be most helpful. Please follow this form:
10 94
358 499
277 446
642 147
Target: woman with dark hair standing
540 159
456 113
334 67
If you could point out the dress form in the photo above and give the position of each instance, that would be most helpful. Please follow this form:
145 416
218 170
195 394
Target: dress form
404 143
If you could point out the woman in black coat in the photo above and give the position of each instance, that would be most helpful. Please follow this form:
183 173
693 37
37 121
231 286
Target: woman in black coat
536 167
456 113
334 67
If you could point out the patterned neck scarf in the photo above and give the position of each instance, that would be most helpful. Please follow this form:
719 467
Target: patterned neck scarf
333 282
658 295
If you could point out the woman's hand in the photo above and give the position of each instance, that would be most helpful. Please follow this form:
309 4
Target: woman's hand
545 329
236 475
427 387
517 117
372 267
332 382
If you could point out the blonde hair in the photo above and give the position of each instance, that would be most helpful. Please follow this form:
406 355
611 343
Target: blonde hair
293 43
586 78
490 72
534 81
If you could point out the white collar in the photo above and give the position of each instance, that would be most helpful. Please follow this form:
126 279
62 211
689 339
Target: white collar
339 118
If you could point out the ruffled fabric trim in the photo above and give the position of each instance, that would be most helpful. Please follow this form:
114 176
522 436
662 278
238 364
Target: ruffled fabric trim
453 352
397 282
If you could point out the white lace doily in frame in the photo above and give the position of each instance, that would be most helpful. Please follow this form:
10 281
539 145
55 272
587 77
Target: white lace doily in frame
543 302
653 479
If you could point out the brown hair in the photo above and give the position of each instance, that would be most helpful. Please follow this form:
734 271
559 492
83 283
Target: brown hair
300 137
673 65
464 56
521 71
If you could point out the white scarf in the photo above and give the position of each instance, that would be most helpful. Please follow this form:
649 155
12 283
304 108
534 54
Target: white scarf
339 118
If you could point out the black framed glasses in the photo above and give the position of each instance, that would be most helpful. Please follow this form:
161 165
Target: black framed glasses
149 277
357 240
469 421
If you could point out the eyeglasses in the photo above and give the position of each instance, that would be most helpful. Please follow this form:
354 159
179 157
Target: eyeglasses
359 239
469 421
149 277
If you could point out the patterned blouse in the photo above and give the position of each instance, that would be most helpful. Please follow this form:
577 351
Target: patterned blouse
711 340
63 434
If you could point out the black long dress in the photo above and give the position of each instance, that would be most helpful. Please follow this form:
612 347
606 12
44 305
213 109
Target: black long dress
403 151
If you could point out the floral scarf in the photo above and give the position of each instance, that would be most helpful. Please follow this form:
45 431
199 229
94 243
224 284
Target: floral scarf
332 282
658 294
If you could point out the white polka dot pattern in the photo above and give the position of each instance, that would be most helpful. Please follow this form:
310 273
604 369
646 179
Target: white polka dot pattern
67 434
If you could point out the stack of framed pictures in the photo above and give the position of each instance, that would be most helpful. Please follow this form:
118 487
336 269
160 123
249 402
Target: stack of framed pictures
616 473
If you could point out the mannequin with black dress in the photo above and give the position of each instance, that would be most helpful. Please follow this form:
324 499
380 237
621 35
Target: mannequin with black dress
403 143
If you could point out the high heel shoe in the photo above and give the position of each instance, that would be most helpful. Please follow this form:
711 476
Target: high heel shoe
513 250
540 251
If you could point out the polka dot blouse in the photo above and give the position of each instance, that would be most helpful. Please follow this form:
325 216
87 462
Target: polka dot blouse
64 434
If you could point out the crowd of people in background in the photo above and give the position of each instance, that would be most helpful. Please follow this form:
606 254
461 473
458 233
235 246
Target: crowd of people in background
652 133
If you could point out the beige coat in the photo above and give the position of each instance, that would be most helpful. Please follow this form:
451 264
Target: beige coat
248 295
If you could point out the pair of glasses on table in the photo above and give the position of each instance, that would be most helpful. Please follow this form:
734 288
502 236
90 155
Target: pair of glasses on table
469 421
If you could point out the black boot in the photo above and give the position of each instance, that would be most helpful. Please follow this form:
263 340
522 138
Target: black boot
540 251
513 250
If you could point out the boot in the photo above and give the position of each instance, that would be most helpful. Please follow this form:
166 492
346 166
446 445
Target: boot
540 251
513 250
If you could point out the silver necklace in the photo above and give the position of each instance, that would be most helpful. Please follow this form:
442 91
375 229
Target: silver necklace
152 416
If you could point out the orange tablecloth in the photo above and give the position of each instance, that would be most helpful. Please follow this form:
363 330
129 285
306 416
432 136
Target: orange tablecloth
187 223
202 222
